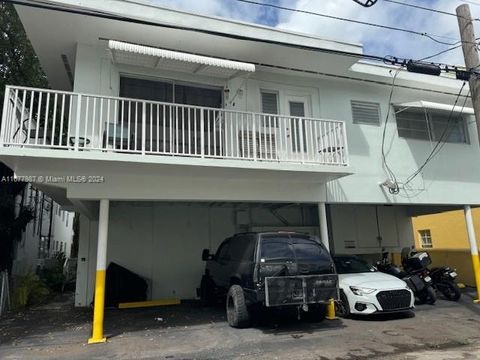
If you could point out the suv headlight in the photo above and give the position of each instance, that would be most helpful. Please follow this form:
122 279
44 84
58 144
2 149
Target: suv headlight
357 290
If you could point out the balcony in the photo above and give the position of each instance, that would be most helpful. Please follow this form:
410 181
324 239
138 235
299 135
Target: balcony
67 121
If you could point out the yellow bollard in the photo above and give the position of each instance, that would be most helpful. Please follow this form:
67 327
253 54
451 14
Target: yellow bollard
331 310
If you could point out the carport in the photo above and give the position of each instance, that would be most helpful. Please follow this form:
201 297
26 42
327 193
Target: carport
163 241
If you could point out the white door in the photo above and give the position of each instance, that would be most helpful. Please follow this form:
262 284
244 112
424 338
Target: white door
298 107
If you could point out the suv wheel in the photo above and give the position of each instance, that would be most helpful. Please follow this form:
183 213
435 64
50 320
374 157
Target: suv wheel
207 296
237 311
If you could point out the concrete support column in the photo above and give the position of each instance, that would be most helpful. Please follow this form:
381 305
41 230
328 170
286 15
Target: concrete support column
99 302
322 218
473 248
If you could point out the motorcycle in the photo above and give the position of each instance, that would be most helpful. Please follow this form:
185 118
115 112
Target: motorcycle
444 282
414 274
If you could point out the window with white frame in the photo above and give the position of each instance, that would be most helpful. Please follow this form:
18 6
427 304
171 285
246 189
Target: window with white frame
425 238
270 105
431 125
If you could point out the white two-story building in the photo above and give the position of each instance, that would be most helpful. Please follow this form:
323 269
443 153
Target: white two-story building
170 131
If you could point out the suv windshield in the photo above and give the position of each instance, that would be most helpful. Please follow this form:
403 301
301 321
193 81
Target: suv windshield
352 265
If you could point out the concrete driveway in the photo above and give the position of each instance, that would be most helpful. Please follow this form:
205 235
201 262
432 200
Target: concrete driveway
58 331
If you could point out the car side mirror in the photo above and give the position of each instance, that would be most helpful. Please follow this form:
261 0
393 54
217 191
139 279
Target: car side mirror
206 255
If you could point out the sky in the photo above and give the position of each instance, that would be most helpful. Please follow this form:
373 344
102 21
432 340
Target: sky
376 41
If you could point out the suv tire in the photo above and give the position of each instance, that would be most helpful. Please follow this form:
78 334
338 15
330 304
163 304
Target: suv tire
207 296
237 311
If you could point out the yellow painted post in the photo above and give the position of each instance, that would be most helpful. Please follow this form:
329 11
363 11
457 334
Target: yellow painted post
331 310
473 248
99 303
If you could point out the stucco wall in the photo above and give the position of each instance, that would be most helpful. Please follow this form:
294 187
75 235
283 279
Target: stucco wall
448 229
330 98
163 241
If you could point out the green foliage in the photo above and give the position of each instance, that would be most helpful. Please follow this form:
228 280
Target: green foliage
18 63
29 290
18 66
53 276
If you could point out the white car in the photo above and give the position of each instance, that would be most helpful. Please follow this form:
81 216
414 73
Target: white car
364 290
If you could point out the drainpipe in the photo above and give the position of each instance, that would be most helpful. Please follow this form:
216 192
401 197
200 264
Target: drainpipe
99 302
473 248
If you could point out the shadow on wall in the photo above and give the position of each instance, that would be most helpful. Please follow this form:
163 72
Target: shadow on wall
449 154
460 260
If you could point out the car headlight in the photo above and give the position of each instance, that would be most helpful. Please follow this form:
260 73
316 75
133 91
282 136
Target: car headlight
357 290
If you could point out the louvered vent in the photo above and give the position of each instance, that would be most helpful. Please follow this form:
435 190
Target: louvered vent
364 112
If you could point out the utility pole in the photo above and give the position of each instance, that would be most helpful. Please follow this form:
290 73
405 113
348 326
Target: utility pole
472 62
470 53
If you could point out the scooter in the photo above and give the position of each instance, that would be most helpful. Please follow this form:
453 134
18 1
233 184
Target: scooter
444 282
417 280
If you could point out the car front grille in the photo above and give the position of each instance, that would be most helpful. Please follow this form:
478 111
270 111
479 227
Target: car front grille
394 299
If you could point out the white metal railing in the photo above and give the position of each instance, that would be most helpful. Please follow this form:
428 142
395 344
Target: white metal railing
83 122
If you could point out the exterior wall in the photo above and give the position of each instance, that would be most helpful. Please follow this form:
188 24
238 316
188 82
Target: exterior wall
330 99
450 244
448 229
29 253
354 229
163 242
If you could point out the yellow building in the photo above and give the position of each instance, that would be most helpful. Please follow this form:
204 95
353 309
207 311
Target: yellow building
444 236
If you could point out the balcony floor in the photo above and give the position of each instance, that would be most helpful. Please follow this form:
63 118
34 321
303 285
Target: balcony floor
154 177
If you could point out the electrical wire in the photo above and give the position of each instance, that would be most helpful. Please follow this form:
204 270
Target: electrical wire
391 175
333 17
440 52
110 16
424 8
442 140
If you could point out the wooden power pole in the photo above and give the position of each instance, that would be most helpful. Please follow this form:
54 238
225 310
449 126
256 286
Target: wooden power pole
472 62
470 53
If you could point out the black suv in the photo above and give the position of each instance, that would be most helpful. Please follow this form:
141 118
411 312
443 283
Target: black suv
269 269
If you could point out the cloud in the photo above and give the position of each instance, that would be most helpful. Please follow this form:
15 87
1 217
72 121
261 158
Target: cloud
376 41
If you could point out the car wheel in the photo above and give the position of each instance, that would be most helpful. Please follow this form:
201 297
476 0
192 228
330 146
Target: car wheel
316 312
342 307
237 311
207 296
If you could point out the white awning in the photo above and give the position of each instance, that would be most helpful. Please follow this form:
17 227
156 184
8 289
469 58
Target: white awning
156 58
435 106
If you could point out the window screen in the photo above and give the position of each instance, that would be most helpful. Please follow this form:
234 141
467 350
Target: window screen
430 125
146 89
269 102
364 112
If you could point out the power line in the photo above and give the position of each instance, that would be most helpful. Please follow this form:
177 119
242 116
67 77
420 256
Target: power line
442 140
441 52
424 8
110 16
387 27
